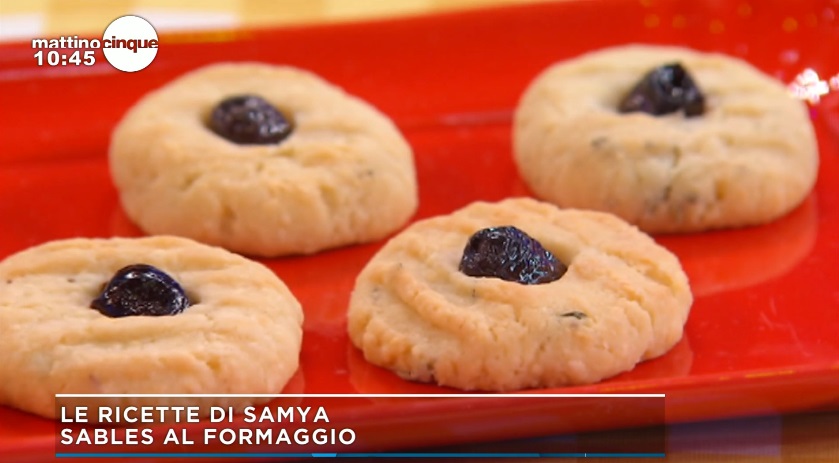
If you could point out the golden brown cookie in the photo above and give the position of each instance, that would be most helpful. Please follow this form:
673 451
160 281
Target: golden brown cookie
241 334
751 157
623 299
344 175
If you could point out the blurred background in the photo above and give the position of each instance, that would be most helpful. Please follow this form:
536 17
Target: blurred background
50 18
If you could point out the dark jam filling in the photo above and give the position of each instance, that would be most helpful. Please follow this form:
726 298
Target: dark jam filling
141 289
511 255
249 120
664 90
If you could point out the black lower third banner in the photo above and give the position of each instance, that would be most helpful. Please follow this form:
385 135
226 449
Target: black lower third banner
360 426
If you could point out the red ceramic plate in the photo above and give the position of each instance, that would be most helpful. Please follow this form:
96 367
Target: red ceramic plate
762 335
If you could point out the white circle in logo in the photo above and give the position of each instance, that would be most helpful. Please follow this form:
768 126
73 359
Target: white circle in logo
130 43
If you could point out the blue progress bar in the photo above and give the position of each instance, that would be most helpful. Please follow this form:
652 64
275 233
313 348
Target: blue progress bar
360 455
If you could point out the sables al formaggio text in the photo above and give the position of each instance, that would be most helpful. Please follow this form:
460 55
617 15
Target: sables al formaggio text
240 435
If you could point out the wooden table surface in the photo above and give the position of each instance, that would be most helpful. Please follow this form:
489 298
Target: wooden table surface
812 437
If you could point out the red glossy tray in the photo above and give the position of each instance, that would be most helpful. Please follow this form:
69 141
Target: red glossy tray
762 335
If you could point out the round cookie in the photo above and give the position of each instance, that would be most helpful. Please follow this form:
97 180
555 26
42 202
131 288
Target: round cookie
344 175
623 299
750 158
241 335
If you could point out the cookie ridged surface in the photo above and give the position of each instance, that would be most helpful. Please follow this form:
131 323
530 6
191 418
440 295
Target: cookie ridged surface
749 159
413 311
242 333
345 175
